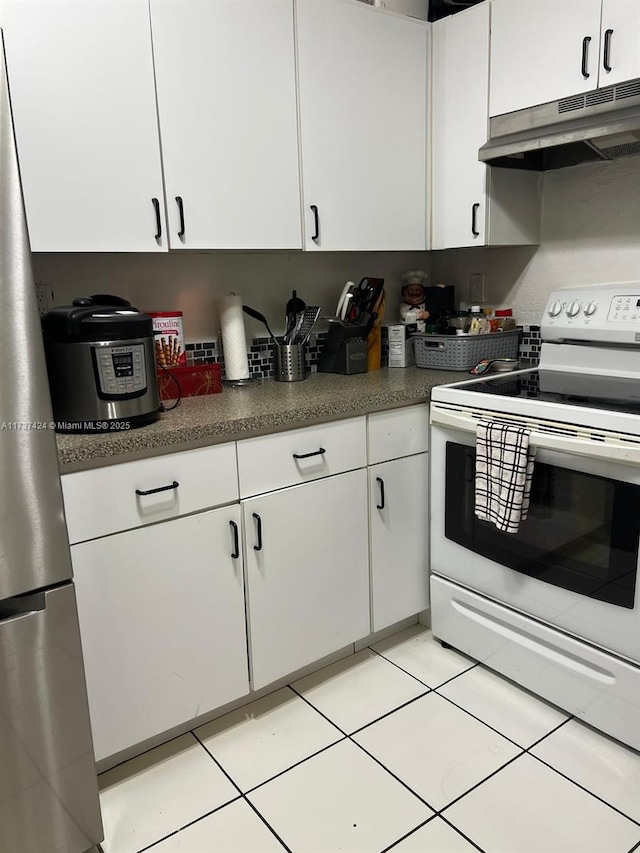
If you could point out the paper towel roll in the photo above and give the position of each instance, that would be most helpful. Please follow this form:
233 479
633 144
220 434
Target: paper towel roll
234 343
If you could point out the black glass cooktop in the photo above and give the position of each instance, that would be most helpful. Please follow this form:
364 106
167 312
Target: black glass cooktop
617 394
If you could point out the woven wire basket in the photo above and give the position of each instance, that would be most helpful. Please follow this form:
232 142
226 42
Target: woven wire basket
449 352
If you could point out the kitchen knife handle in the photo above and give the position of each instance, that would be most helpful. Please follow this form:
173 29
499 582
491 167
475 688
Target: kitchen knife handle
474 210
180 204
156 207
380 482
258 547
320 452
314 237
173 485
585 51
236 541
607 50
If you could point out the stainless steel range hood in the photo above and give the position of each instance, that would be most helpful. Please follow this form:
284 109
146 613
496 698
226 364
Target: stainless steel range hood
599 125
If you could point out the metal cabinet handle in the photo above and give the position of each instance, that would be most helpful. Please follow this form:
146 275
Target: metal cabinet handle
156 207
585 52
380 482
607 50
180 204
236 540
173 485
314 208
474 211
320 452
258 547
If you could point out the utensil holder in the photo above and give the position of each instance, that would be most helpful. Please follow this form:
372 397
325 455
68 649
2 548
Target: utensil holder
289 363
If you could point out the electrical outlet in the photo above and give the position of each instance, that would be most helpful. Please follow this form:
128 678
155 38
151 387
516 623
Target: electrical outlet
44 297
476 287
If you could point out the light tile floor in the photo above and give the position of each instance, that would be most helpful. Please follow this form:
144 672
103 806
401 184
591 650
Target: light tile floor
405 746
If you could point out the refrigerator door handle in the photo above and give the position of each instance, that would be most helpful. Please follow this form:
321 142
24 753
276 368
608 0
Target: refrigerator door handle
22 605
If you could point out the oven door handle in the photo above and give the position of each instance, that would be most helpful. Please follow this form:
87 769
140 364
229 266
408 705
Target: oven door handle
610 451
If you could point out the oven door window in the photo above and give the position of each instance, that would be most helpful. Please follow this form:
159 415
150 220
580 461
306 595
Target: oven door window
581 532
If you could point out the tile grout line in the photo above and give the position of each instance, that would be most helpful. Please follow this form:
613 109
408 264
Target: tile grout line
243 796
458 830
409 833
489 726
186 825
481 782
586 790
406 671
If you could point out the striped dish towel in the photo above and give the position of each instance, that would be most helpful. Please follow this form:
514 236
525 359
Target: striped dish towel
504 467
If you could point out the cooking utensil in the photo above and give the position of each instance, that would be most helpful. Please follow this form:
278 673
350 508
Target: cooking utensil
306 324
258 316
294 306
342 301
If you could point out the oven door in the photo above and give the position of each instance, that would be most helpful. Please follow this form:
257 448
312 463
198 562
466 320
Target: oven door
574 561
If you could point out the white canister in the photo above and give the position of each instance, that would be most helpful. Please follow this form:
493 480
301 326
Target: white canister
169 338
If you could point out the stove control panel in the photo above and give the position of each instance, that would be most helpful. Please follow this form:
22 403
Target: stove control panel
625 309
601 313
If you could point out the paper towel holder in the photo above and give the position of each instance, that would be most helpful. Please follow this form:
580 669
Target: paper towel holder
233 383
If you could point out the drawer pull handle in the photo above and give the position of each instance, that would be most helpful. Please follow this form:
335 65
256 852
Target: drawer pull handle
173 485
156 207
258 547
585 56
236 541
180 204
607 50
474 212
380 482
320 452
316 223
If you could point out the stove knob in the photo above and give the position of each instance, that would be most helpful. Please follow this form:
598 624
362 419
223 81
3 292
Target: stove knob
591 309
573 309
555 308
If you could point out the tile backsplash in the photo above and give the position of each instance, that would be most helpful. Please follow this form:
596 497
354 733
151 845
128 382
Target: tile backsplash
261 360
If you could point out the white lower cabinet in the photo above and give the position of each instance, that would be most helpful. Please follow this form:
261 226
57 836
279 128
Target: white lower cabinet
307 573
162 618
399 525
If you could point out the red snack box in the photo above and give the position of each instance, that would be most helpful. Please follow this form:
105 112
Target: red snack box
195 380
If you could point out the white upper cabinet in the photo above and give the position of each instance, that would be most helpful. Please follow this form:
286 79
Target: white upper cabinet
472 205
542 50
620 43
363 81
225 74
83 100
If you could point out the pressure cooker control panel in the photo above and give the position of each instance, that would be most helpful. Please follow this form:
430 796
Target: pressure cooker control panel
121 370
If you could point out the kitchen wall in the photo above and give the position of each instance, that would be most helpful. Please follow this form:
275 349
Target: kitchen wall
192 282
590 234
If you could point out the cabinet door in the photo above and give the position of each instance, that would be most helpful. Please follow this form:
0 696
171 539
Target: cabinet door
307 573
460 117
537 51
399 518
363 78
83 99
162 621
225 72
620 44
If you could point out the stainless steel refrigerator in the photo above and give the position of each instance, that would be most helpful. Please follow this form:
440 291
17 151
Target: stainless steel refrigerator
48 784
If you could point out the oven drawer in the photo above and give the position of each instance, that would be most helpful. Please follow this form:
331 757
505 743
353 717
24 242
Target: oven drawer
596 687
119 497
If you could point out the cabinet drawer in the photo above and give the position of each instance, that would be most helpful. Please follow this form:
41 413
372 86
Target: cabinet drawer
288 458
400 432
107 500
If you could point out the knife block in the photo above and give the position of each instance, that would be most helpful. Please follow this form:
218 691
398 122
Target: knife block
344 351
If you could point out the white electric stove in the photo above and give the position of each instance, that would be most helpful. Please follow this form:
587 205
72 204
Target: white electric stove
556 606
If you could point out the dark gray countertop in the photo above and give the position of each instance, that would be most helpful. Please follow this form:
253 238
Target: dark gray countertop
265 407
